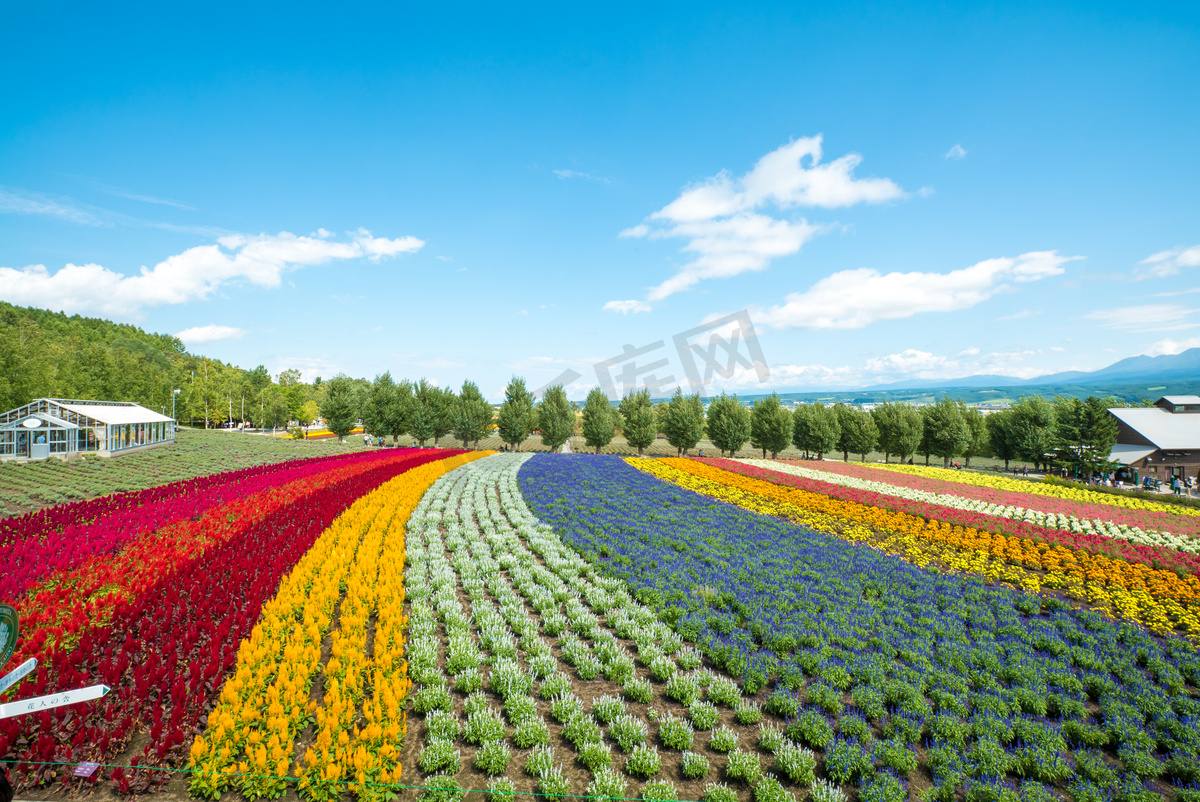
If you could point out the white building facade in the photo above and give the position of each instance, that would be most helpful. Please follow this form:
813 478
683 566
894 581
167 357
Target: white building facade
63 428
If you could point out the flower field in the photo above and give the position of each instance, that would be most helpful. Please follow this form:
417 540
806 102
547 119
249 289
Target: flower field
442 625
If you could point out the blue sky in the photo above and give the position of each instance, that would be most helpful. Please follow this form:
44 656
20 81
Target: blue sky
892 191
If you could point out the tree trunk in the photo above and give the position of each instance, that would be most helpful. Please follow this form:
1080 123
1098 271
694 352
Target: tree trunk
1006 466
764 453
945 462
926 460
886 456
639 451
845 456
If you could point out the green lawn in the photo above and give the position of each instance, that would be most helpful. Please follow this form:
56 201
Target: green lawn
195 452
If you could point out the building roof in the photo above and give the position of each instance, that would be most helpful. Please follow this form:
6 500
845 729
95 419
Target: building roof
115 413
19 423
1179 400
1163 429
1125 454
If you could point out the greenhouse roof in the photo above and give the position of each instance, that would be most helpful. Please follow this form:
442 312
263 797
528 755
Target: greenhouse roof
115 413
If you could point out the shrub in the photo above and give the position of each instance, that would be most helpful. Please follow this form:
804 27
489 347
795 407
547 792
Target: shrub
519 709
770 789
588 668
639 690
607 708
883 787
439 754
848 760
531 733
682 689
719 792
743 766
492 758
723 739
468 682
501 789
555 685
782 703
693 766
662 668
689 659
475 702
896 755
441 788
676 733
724 691
704 716
565 707
770 737
643 762
442 726
748 713
553 783
432 697
851 726
595 756
811 728
796 763
581 730
483 725
539 761
607 784
825 791
627 732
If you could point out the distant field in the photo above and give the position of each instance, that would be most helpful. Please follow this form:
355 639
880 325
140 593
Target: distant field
196 452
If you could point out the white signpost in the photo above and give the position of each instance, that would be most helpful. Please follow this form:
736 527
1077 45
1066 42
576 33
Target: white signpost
39 703
17 674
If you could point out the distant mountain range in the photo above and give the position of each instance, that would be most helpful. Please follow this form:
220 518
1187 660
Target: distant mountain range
1184 366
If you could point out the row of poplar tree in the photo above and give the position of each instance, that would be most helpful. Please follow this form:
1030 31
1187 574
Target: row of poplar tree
1073 432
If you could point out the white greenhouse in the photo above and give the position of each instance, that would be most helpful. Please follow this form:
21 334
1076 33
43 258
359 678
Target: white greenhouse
60 427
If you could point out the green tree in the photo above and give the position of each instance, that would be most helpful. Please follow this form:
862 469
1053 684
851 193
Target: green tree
599 420
424 412
899 429
978 444
815 429
1085 432
1033 429
442 422
472 415
845 419
556 419
770 426
640 425
684 421
380 397
515 420
946 431
1000 436
862 435
309 412
728 423
337 406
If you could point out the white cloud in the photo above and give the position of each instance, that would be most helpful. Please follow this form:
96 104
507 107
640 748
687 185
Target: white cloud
1169 263
727 234
565 174
908 361
852 299
209 334
625 307
957 152
32 203
971 351
192 275
1169 346
1024 313
1147 317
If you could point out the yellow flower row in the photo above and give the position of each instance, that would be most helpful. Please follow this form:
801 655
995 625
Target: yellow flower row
1162 600
1036 488
265 705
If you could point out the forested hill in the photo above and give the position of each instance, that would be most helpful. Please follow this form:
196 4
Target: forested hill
45 353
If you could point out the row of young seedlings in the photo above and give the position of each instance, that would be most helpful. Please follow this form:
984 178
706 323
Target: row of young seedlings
523 585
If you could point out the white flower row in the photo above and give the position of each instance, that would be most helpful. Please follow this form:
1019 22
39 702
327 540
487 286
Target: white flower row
1050 520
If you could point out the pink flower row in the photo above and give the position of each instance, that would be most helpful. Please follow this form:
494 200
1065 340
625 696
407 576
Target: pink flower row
1145 519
